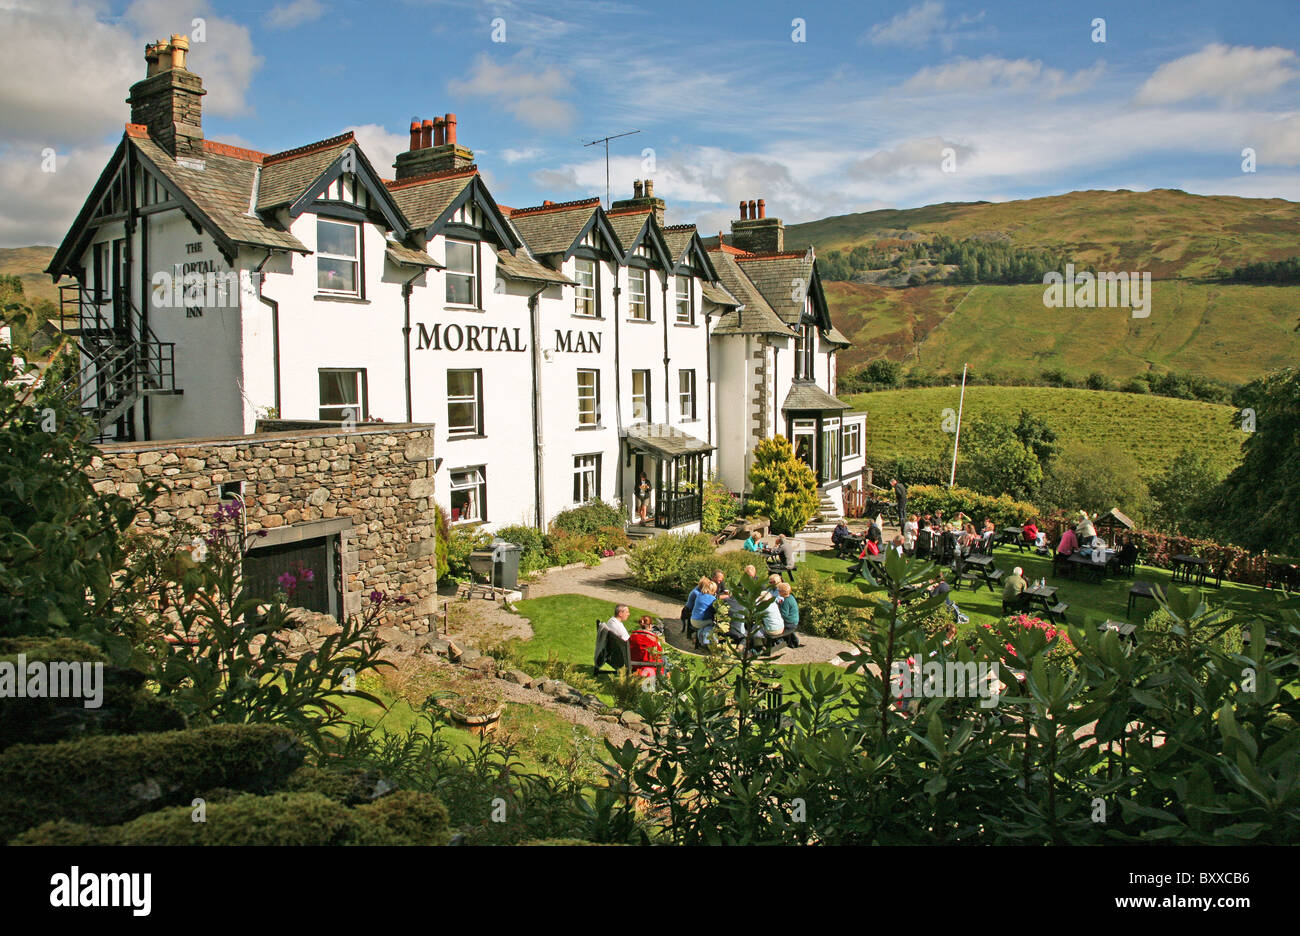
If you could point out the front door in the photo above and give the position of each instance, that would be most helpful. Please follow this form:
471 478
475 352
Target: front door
642 491
803 436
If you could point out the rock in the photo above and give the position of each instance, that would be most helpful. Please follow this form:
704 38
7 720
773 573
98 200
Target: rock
469 655
591 703
453 651
631 719
435 644
519 677
612 719
484 664
388 634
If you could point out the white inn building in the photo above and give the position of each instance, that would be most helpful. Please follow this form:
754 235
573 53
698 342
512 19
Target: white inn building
559 350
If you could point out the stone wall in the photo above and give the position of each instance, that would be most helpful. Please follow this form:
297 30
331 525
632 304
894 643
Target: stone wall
372 486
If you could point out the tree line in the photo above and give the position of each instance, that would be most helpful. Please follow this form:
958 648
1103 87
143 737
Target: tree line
976 261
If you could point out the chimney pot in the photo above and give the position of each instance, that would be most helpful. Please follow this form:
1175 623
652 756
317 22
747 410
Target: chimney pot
762 208
180 45
450 134
649 188
415 135
753 209
547 202
744 211
637 189
426 134
439 131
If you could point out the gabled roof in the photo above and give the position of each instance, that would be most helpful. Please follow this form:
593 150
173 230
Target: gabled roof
755 315
216 192
683 240
718 295
285 176
805 395
632 226
429 201
777 276
558 229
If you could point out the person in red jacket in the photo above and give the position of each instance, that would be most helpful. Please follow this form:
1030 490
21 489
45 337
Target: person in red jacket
645 648
1030 532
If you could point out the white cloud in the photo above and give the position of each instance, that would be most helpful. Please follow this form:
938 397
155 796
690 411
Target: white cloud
531 91
38 204
294 13
526 154
1229 73
909 158
380 146
969 76
1276 142
920 25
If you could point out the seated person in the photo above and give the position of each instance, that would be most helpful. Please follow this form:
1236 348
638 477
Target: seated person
752 542
612 639
1030 531
1014 586
647 651
870 548
1098 547
789 613
941 587
1128 553
773 584
1069 543
897 544
772 625
839 533
703 610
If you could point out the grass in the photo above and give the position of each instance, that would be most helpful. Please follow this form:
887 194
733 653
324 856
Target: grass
1090 604
1150 428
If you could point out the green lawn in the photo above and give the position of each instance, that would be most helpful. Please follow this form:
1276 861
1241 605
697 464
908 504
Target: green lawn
1090 604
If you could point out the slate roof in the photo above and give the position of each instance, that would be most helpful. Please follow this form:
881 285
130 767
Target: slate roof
222 190
553 228
774 276
755 317
409 256
718 295
627 225
285 176
678 237
806 395
835 336
423 199
663 439
520 266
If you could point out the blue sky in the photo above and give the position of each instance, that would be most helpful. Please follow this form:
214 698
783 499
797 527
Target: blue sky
856 116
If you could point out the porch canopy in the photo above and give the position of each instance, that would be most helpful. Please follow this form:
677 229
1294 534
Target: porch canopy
679 471
813 426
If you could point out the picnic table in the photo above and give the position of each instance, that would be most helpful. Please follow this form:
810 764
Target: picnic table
1139 590
1189 569
1125 629
1044 596
1083 560
982 571
1011 536
877 568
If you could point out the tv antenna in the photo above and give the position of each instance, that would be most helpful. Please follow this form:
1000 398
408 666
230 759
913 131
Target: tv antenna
606 140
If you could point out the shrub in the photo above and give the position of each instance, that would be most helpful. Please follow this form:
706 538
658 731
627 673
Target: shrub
1003 511
588 518
720 506
610 539
443 533
674 564
821 615
533 542
564 547
781 487
402 818
108 780
1095 479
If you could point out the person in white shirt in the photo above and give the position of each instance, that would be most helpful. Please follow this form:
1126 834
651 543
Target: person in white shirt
615 625
909 533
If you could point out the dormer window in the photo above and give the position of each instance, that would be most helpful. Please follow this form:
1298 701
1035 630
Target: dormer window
685 301
637 307
462 273
336 257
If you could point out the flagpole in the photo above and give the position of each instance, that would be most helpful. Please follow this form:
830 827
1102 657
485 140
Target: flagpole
957 438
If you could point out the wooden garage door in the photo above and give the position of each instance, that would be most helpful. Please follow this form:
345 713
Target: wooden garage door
263 568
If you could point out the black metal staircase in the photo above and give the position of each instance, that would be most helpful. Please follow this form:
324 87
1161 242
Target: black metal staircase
121 359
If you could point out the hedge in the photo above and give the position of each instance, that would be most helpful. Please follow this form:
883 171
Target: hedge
401 818
109 780
1002 510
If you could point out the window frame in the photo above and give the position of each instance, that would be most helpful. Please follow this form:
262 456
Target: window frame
593 302
473 275
360 410
594 397
684 395
689 299
581 471
648 401
856 434
645 295
477 399
356 291
478 486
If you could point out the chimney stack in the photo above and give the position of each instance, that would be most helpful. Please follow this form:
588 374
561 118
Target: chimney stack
169 99
643 196
755 231
435 150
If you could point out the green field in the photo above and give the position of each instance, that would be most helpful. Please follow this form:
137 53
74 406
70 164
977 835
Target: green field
1150 428
1228 333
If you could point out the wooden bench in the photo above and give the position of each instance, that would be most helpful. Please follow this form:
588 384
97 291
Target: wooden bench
1057 611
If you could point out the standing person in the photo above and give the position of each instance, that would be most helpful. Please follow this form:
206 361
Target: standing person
703 611
642 497
789 613
1069 543
1085 530
900 492
910 529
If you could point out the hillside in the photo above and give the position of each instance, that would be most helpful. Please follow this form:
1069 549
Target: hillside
1152 429
29 263
1197 324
